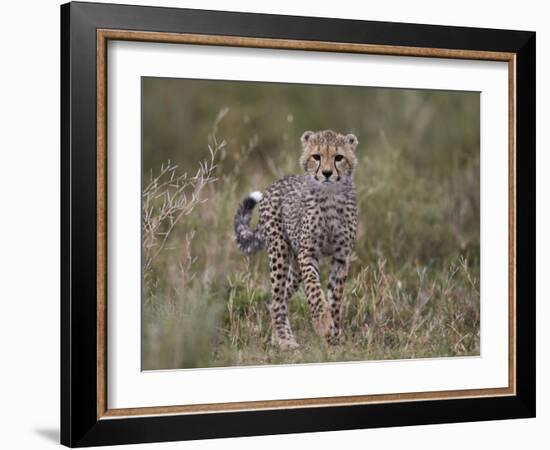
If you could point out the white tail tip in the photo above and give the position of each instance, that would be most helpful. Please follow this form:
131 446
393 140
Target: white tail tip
256 196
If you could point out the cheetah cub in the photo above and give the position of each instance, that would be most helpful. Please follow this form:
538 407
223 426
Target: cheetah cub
304 218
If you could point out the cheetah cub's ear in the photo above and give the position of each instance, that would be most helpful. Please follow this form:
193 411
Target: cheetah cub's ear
352 141
306 137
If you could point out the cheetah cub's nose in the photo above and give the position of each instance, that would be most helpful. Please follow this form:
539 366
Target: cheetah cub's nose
327 173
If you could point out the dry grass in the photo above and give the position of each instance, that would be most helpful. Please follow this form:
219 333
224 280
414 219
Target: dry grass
166 199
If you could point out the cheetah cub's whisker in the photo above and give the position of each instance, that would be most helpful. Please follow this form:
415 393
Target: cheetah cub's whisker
304 218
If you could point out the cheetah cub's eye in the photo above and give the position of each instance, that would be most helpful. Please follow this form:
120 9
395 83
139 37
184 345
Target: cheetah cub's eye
338 158
316 157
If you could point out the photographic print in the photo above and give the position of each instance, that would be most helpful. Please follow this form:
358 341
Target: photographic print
296 199
291 223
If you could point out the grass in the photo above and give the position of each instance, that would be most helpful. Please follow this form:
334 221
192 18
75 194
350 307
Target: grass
413 289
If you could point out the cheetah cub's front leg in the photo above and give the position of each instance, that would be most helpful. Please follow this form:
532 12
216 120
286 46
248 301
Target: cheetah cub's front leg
322 318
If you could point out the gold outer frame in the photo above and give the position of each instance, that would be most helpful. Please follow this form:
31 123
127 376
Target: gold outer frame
104 35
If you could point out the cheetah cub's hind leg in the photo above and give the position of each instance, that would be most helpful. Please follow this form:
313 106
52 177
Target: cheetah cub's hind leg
293 280
281 286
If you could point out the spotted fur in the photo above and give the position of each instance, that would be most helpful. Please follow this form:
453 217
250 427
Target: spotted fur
304 218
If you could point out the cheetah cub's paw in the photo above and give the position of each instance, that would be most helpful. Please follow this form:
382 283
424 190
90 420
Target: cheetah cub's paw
336 337
284 343
324 325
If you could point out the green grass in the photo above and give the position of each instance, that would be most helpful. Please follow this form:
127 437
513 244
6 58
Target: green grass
413 289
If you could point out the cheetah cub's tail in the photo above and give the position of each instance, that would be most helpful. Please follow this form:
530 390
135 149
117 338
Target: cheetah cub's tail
249 241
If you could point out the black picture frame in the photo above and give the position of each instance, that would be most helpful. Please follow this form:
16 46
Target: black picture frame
80 425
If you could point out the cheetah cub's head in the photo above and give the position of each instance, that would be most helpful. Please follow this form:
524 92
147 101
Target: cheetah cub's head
327 156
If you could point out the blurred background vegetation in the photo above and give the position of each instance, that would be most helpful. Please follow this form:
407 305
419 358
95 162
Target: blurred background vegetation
413 289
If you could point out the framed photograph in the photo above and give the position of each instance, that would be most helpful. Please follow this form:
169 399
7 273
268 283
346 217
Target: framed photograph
276 224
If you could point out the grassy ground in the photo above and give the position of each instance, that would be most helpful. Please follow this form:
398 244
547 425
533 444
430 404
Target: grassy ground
413 289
